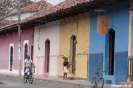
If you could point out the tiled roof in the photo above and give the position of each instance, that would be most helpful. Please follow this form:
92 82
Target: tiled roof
53 9
66 8
6 22
69 3
41 13
31 8
35 7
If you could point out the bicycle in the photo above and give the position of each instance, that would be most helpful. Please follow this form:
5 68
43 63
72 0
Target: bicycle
28 75
98 80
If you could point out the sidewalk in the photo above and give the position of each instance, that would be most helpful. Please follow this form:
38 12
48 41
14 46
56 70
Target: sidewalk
77 83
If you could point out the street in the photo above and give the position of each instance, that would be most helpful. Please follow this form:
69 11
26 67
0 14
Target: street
14 82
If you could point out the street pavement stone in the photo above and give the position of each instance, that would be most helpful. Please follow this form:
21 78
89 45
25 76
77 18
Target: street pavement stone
17 82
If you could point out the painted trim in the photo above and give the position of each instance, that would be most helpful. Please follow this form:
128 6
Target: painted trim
8 72
57 66
11 44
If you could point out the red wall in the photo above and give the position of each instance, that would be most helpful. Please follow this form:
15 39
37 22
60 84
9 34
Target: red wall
13 38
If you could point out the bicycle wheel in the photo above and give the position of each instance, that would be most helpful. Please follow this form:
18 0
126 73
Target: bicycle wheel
100 82
24 79
31 79
94 83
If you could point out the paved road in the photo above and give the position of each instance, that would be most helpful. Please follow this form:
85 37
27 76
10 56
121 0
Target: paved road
12 82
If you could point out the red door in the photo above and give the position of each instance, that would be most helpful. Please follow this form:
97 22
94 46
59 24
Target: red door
47 56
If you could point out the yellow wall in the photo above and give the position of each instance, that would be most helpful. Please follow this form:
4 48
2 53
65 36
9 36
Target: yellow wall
80 27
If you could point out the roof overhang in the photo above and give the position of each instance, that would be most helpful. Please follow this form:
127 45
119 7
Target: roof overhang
60 14
74 10
8 28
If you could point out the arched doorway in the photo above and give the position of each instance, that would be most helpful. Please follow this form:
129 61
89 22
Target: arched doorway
11 57
111 51
47 56
73 43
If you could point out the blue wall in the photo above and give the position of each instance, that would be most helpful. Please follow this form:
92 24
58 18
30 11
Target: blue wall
118 15
121 69
97 57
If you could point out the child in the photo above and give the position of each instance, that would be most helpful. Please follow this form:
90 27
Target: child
65 69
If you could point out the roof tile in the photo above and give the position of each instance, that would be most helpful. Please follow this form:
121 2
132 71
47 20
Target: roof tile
35 7
52 9
6 22
46 8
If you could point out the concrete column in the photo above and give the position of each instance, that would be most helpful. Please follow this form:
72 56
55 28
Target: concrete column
130 42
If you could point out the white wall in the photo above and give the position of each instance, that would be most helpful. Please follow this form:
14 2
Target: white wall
15 17
49 31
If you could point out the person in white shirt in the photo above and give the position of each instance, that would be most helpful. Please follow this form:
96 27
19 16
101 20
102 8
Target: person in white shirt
28 62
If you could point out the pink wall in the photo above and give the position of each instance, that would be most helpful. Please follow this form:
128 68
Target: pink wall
13 38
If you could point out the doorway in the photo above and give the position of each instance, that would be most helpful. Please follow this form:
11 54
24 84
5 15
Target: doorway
111 51
11 57
47 56
32 53
73 43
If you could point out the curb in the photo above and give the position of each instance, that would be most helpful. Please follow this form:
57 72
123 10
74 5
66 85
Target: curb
65 83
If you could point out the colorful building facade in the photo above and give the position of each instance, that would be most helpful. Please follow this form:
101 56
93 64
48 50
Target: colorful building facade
9 49
9 39
109 52
74 42
46 49
73 32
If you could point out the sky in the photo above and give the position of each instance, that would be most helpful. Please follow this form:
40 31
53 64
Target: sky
54 2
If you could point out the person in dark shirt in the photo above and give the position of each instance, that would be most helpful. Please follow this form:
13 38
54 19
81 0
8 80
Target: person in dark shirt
65 69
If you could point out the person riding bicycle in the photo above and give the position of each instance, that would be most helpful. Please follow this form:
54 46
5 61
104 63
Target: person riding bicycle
28 63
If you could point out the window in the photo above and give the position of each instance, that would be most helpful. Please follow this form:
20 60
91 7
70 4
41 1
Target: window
47 55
